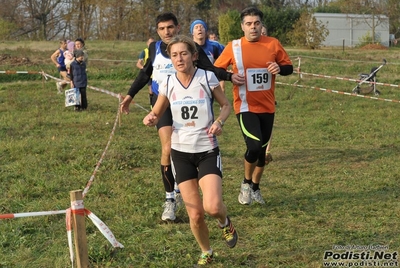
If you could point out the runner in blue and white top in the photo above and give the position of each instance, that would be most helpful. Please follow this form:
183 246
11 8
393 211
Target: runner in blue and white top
199 31
195 155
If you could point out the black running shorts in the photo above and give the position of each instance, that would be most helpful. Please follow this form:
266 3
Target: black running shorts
189 166
166 118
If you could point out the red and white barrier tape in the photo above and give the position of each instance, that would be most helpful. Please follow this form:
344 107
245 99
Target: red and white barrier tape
19 72
112 132
105 91
103 155
78 208
52 77
68 224
339 92
346 79
104 229
31 214
341 60
119 96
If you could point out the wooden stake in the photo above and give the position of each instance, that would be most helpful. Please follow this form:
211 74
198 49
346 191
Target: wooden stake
78 224
119 107
42 79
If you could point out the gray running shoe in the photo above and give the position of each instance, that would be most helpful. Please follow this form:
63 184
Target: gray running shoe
245 194
256 196
169 211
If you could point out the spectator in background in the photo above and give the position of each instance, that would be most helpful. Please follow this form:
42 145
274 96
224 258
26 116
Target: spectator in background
70 45
198 29
212 36
69 55
143 57
80 45
79 78
68 59
59 60
264 31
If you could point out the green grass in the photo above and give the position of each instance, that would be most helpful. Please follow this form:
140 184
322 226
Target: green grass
334 179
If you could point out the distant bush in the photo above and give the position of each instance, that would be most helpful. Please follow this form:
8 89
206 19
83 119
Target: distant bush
229 26
308 32
367 39
279 22
6 28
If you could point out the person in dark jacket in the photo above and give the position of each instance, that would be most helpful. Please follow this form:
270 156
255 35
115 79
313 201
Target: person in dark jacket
79 78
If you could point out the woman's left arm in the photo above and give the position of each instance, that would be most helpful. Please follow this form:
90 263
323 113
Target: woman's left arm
223 101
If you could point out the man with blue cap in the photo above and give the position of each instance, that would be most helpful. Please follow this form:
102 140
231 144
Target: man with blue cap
198 29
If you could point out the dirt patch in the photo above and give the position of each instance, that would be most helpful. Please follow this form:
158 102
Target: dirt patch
374 46
6 59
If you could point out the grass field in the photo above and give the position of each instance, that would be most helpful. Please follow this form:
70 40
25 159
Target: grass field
334 179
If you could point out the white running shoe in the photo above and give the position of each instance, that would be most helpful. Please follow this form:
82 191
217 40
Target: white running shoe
245 194
59 87
169 211
178 200
256 196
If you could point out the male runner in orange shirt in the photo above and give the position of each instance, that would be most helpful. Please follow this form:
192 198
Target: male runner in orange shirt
255 61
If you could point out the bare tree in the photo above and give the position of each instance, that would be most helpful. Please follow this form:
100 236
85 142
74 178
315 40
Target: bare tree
112 19
392 10
44 18
9 10
85 18
370 10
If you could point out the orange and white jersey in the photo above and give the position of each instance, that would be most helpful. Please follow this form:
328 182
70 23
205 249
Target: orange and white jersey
251 59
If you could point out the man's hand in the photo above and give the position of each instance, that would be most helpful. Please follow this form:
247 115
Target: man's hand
273 67
125 104
238 79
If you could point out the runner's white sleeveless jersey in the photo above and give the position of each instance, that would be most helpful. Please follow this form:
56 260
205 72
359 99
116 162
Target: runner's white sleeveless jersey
192 111
162 67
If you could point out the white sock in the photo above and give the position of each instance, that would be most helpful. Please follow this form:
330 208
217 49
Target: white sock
210 251
223 225
169 195
176 188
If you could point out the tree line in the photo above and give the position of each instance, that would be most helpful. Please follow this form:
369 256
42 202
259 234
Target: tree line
135 20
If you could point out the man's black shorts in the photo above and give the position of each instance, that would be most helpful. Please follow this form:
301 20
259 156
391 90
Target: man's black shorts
166 119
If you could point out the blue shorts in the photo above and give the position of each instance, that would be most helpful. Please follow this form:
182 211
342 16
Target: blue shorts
62 69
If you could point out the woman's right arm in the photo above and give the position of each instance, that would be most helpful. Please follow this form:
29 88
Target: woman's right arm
158 110
54 57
